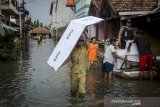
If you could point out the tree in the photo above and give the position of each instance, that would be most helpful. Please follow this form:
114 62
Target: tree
41 24
34 24
37 24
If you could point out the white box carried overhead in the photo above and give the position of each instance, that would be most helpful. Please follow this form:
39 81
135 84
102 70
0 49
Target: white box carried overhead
69 40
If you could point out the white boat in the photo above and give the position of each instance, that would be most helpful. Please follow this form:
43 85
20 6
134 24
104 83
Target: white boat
132 74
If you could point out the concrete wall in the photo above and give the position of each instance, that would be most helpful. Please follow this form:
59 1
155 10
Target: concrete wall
106 29
92 31
61 15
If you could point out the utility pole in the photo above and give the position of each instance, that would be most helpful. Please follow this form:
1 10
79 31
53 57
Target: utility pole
0 15
23 19
20 21
0 8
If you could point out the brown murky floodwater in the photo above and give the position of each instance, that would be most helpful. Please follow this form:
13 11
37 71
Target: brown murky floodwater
30 82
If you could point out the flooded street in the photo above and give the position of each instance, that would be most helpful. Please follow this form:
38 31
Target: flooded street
31 82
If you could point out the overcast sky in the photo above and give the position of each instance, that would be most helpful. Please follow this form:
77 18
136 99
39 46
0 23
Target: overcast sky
39 9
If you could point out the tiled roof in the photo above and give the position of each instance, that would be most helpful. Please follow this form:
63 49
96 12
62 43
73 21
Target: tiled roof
133 5
40 30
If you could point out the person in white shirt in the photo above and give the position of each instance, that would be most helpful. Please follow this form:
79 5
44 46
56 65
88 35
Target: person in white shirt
108 59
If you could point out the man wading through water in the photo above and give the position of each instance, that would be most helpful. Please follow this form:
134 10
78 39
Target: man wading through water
145 53
79 59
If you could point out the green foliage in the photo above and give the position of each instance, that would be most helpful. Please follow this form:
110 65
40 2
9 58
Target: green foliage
2 32
17 42
41 24
8 41
35 24
10 44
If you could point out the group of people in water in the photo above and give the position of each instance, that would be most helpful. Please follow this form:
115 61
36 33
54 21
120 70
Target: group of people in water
87 50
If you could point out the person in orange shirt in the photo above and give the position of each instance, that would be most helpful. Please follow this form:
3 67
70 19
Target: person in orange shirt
93 51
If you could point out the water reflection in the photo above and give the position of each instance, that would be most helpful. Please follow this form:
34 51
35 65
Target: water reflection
14 78
91 86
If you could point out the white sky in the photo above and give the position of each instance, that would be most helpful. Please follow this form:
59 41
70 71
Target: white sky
39 9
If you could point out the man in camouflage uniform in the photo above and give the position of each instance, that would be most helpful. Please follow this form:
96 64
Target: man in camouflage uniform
78 70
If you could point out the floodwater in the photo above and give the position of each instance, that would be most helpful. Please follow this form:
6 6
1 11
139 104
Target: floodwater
31 82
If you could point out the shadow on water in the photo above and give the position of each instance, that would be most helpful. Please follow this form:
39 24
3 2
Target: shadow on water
30 82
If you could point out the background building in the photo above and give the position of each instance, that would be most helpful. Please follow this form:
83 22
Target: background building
8 8
82 8
61 16
143 13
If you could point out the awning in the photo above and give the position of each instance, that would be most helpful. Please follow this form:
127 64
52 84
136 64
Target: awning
10 28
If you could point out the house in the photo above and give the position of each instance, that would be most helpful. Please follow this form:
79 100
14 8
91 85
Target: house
115 12
82 10
39 31
8 8
144 14
61 16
